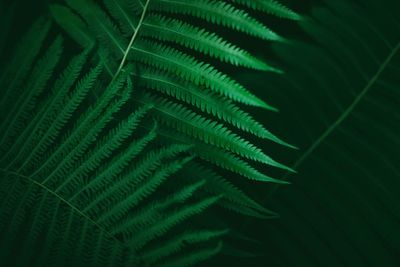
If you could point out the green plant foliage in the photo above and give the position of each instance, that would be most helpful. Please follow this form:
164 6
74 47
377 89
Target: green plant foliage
80 182
122 133
98 169
341 90
172 54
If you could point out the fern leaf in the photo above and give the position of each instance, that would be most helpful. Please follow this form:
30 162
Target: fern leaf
271 7
107 175
120 10
72 24
232 197
87 127
208 131
175 62
207 102
233 163
46 121
194 257
24 104
88 179
52 180
170 220
12 78
142 191
149 31
179 243
79 93
112 141
132 178
101 25
220 13
172 30
151 213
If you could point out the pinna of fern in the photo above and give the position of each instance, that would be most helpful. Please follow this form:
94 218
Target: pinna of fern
193 101
80 177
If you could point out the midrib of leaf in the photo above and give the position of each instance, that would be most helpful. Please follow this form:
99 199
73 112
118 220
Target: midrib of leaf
69 204
131 42
347 112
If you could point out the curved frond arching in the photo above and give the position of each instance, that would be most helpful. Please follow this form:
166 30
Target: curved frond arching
80 177
167 51
270 7
187 35
97 148
219 13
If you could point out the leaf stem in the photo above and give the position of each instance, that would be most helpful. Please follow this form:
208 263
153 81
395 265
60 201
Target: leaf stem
346 113
69 204
334 125
135 34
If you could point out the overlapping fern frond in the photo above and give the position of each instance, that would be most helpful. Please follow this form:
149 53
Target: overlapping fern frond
98 169
80 177
171 44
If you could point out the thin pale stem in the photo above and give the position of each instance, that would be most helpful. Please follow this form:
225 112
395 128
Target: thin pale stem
69 204
134 36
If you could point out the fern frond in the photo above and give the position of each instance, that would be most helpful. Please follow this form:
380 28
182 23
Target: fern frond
210 132
135 176
101 25
46 117
83 165
37 144
25 102
172 30
79 93
75 190
19 66
87 127
219 13
271 7
177 63
194 257
107 174
232 197
142 191
233 163
170 220
179 243
149 35
152 212
122 12
105 148
206 101
73 25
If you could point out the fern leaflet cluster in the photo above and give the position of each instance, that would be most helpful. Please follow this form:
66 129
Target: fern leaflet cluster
169 53
98 155
79 178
